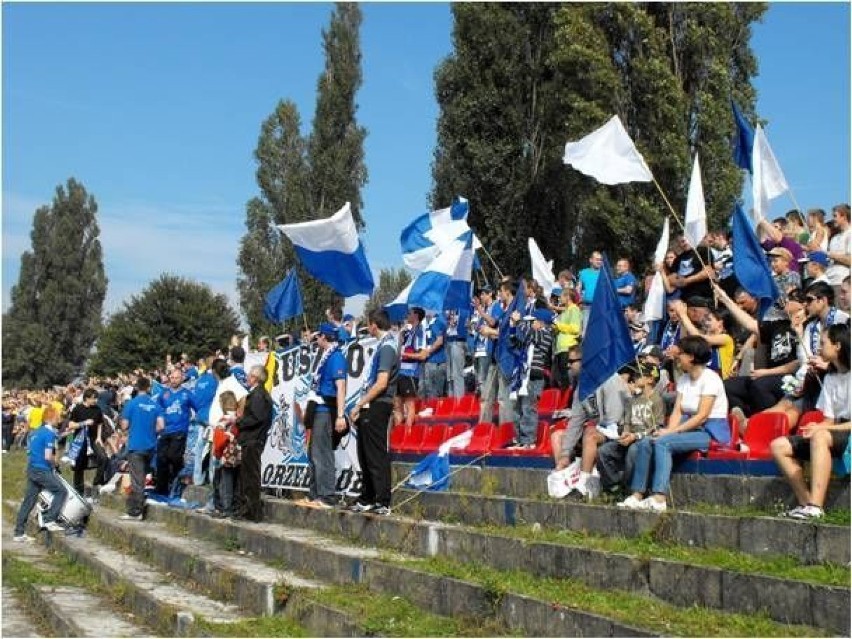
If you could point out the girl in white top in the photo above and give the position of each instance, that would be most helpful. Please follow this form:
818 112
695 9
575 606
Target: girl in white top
700 413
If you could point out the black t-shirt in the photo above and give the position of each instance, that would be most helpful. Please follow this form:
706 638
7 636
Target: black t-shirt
687 264
81 413
780 341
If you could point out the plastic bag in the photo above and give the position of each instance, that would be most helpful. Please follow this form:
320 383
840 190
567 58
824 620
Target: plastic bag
562 482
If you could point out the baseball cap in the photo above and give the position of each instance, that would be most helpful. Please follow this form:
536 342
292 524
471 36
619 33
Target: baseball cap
780 251
543 315
819 257
328 329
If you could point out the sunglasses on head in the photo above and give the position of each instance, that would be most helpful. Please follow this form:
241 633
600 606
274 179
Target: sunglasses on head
571 360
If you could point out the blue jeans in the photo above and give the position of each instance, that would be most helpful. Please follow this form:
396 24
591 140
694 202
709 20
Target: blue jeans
38 480
526 412
480 366
435 380
321 455
660 450
455 367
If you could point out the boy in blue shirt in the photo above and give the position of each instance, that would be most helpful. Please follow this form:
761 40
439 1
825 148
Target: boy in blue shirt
142 418
41 453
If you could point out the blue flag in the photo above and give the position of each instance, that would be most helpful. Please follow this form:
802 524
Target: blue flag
750 264
607 345
285 300
743 140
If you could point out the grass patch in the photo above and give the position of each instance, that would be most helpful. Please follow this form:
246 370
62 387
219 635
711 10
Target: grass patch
257 627
634 610
834 517
386 615
646 547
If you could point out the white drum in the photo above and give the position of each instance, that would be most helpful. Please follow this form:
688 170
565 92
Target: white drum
74 511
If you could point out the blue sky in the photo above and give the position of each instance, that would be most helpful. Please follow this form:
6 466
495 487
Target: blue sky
156 109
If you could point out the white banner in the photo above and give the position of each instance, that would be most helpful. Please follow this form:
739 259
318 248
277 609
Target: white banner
284 463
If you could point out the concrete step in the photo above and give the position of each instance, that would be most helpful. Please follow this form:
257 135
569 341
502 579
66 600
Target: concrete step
808 543
149 594
301 549
16 621
679 583
770 493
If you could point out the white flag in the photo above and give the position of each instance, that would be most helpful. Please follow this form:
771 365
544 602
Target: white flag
767 182
608 155
695 222
657 294
542 270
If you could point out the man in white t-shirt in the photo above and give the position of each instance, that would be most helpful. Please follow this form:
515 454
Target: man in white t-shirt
840 247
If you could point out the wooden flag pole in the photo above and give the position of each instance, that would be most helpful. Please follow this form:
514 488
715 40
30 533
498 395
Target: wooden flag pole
493 263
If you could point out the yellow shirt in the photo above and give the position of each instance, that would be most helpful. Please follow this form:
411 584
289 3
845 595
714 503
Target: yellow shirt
726 356
35 416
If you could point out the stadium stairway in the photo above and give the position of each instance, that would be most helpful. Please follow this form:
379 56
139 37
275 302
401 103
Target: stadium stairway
472 561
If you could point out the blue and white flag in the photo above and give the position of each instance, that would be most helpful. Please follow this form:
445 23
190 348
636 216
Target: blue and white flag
433 471
285 300
743 140
331 251
750 264
767 181
424 239
445 284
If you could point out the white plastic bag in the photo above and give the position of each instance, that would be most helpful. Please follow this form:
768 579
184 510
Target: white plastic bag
562 482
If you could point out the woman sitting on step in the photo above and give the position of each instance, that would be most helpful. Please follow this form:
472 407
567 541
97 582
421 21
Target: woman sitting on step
820 442
700 413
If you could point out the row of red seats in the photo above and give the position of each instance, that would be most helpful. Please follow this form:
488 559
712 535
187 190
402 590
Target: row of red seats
422 438
762 429
467 407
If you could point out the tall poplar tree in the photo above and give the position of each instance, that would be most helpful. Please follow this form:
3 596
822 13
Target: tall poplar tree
56 306
306 179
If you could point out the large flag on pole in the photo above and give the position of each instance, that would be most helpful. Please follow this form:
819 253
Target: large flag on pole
743 140
695 220
750 264
608 155
656 300
285 300
423 239
443 285
768 181
607 345
331 251
542 269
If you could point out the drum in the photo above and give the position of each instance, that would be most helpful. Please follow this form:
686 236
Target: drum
74 511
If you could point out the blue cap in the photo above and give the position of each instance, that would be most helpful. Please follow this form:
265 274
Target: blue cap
820 257
328 329
348 318
543 315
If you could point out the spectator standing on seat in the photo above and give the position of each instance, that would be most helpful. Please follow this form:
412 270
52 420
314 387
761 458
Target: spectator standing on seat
487 312
587 281
456 348
625 282
254 427
819 442
414 352
372 414
435 367
567 328
86 415
689 271
535 337
41 456
142 418
499 380
700 414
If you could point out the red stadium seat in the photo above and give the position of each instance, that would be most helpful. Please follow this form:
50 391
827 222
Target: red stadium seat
730 450
480 441
434 436
811 417
542 444
456 429
762 429
397 437
549 402
502 436
445 407
413 438
467 407
565 402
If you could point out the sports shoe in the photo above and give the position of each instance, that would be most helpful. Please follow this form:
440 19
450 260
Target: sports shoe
358 507
25 538
806 512
128 517
52 526
380 510
653 505
631 503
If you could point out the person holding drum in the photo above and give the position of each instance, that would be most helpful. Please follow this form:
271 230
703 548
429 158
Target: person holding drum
41 454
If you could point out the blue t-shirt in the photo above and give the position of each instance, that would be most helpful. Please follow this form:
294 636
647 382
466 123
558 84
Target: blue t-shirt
175 405
191 373
434 329
333 369
202 396
589 281
628 279
142 413
413 341
40 441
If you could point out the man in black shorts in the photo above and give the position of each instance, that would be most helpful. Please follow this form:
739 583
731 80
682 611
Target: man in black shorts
414 351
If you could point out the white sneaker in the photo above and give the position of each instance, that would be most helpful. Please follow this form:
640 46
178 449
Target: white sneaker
52 526
806 512
25 538
631 503
127 517
653 505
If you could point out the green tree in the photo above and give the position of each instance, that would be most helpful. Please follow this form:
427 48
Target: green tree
305 179
391 283
172 315
56 306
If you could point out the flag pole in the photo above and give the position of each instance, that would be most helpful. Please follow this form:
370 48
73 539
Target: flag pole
493 263
674 214
305 318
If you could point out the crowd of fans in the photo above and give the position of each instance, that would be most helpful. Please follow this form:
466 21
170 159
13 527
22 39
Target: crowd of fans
714 355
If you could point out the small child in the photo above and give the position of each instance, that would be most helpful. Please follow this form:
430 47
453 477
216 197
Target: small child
224 433
644 414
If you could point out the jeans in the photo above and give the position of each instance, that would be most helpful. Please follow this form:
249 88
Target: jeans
169 460
587 309
526 412
139 461
38 480
659 451
455 367
435 380
615 463
321 455
499 384
227 485
481 366
198 476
